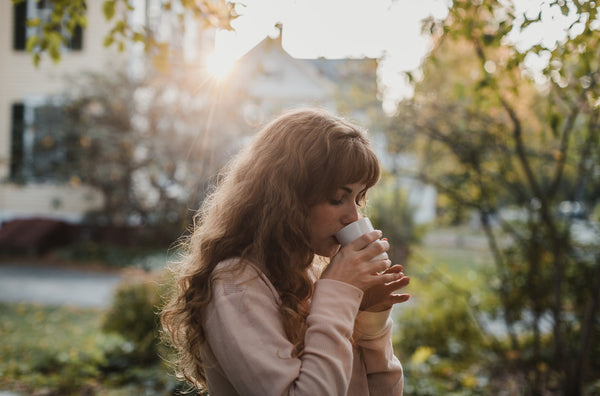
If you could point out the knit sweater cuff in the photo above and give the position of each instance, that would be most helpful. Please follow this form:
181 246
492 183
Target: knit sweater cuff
372 324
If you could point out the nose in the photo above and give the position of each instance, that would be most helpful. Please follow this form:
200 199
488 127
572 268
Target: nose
350 214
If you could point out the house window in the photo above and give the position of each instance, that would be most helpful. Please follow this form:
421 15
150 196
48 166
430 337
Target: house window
41 9
41 143
17 136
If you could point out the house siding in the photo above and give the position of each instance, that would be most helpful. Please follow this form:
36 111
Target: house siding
21 80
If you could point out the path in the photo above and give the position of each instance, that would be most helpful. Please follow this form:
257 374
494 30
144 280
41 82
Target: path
56 286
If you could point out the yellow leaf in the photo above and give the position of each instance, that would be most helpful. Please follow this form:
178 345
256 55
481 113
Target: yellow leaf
469 381
421 355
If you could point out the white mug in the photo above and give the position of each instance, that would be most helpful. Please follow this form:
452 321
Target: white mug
356 229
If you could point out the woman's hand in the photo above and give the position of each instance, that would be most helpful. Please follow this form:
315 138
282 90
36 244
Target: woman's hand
382 297
353 263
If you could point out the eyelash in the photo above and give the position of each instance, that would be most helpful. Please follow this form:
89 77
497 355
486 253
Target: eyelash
359 201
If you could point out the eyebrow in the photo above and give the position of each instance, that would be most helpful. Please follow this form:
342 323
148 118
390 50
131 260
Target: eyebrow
347 189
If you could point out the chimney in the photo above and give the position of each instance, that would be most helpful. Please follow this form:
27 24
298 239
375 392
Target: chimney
279 27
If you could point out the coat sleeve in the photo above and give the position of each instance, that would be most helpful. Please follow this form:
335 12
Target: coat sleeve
373 337
244 330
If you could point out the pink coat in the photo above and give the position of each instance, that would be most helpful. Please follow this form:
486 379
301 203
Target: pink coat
346 352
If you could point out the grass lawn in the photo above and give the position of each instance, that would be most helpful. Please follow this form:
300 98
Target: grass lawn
63 351
38 343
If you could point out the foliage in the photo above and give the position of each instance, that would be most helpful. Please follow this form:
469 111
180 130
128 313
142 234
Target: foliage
63 351
150 146
133 315
67 15
438 337
50 347
444 324
390 211
510 147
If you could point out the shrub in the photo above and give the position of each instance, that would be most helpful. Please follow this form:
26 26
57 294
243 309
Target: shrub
133 315
438 337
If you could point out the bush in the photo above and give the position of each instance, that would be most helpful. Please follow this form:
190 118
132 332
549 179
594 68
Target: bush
133 315
441 320
438 337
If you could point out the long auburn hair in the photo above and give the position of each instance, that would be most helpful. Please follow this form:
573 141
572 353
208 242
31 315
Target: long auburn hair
259 213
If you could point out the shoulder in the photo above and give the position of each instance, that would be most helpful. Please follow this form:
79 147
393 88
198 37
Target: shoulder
236 275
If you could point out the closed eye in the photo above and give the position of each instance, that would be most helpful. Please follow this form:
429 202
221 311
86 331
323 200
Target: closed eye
361 198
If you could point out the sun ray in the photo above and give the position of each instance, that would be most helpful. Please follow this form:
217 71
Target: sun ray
219 64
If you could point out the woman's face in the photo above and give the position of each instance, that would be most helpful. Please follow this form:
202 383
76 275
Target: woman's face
327 218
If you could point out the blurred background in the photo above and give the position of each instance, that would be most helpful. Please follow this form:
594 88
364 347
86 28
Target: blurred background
116 116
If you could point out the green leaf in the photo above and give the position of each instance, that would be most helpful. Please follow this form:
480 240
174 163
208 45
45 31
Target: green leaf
32 42
33 22
54 51
138 37
108 40
109 9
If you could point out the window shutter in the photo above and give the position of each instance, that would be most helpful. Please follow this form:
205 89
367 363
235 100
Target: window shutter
76 42
16 145
20 26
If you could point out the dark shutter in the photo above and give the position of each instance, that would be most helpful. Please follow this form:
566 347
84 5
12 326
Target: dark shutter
16 144
20 26
76 42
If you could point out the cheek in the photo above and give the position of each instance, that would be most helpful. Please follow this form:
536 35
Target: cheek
323 223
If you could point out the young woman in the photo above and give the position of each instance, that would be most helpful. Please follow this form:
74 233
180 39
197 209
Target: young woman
267 302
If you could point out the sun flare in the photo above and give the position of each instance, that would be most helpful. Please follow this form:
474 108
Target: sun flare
220 64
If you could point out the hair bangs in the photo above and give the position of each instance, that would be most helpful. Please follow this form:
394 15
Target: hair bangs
356 163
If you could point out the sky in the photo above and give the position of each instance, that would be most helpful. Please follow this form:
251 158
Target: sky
389 30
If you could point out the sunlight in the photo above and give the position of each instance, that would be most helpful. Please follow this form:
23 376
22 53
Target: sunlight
220 64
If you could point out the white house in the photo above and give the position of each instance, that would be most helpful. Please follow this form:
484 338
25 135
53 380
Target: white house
23 88
272 81
26 91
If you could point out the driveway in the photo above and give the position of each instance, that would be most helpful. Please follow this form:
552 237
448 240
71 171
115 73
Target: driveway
56 286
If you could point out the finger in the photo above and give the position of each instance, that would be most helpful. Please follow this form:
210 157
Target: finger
391 279
393 269
398 284
365 240
399 298
376 248
379 266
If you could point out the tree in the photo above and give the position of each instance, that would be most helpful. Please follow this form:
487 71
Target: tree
151 146
491 139
68 15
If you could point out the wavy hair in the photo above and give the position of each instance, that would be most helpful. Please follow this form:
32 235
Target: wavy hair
258 212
